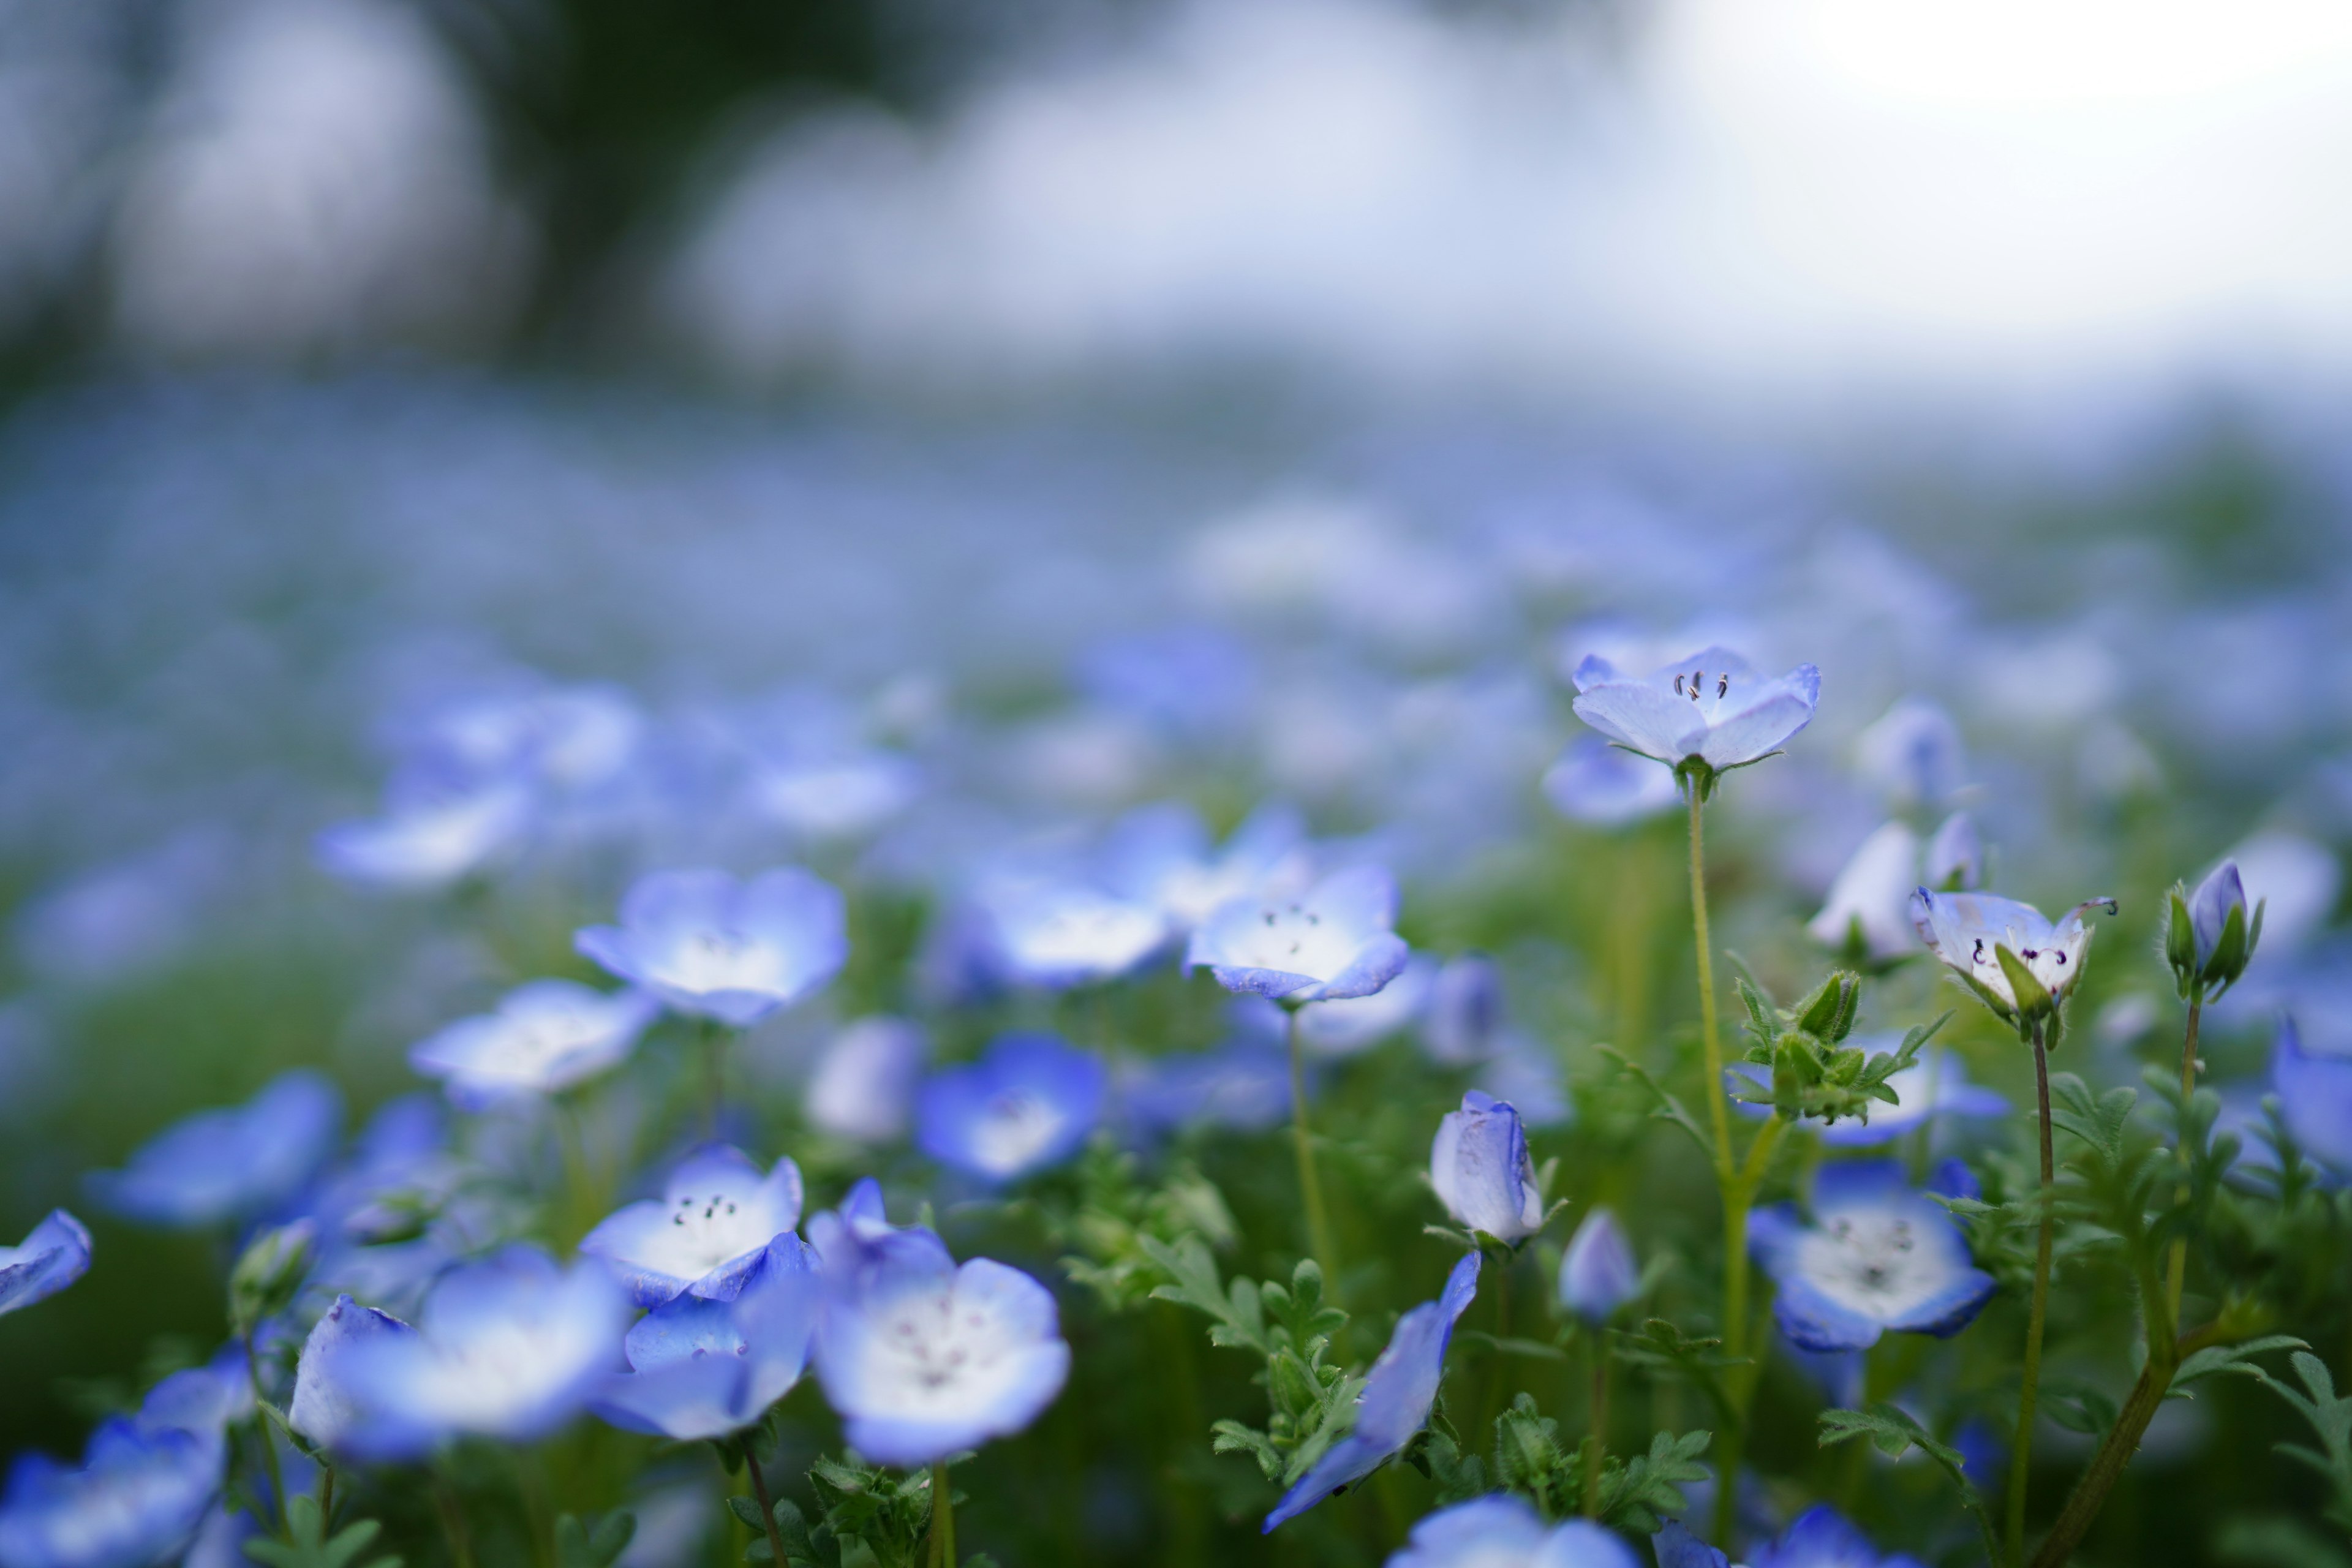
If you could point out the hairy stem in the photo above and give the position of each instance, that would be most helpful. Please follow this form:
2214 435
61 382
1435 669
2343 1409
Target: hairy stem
2140 1406
1718 1114
1310 1187
269 1439
943 1546
1596 1440
767 1504
2177 1271
1739 1196
2020 1459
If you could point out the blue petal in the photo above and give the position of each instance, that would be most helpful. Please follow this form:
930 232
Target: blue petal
1500 1526
1343 1464
1812 1321
1950 1310
1842 1183
2315 1097
1381 960
1678 1548
1580 1543
55 1254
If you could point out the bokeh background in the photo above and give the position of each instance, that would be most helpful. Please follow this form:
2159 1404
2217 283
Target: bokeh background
1076 404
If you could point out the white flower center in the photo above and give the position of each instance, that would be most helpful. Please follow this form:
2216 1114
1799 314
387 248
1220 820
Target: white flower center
1709 691
716 959
1872 1262
934 1352
1090 935
1017 1127
1296 939
479 1380
705 1230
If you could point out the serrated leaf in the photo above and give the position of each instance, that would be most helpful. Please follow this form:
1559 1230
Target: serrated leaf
1892 1432
309 1546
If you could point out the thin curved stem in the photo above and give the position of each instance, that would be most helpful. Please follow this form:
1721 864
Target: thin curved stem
2020 1459
1718 1114
767 1504
2177 1269
1310 1187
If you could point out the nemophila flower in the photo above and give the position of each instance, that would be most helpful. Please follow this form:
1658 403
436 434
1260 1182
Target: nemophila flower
546 1037
431 834
570 738
1189 681
712 947
228 1166
1598 1274
1244 1085
1821 1538
1505 1531
1464 1011
2211 934
1349 1025
1055 932
863 1086
52 1257
1027 1103
1333 941
1913 754
1481 1169
700 1368
1163 856
1675 1547
1398 1393
1935 1087
1711 708
1601 786
1969 932
2315 1094
1877 1256
842 796
712 1224
511 1347
1955 858
923 1358
1868 911
323 1409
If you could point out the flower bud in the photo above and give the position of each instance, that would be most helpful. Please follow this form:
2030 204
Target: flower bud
1598 1275
1483 1174
268 1275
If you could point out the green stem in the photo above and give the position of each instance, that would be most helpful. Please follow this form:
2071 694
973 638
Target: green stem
2021 1458
2177 1271
453 1520
1718 1113
1497 1378
268 1440
327 1499
1740 1195
2140 1406
943 1546
767 1504
714 1074
1596 1439
1310 1187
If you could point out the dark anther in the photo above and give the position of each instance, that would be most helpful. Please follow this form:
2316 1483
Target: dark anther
1678 686
1722 686
2031 954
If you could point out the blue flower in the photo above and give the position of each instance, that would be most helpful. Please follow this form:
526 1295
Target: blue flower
55 1254
324 1408
545 1037
1601 786
1161 856
1464 1011
1868 910
1878 1255
842 796
1955 858
228 1166
1483 1173
1505 1531
2217 910
1346 1025
1244 1085
1598 1274
1058 932
1821 1538
711 1226
700 1368
1935 1088
1913 752
1398 1393
715 947
1965 931
1334 941
863 1088
433 833
1711 706
511 1347
921 1358
1028 1103
2315 1094
1675 1547
145 1484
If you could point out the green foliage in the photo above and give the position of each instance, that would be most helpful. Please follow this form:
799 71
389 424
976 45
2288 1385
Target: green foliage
309 1545
1814 1073
868 1517
267 1274
1894 1433
1115 1217
2331 1421
1532 1462
579 1544
1659 1346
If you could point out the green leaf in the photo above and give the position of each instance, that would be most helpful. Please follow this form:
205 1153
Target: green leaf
1665 1107
2234 1358
1191 1269
2033 1000
309 1546
1648 1490
1892 1432
577 1546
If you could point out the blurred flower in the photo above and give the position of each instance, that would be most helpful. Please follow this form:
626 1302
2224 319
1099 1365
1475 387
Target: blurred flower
923 1359
1464 1013
1243 1086
1398 1393
1161 855
430 836
712 947
863 1086
1334 941
1192 682
55 1254
1935 1087
509 1347
1483 1174
1710 706
1055 932
546 1037
700 1368
1955 859
1528 1075
228 1166
1029 1103
1913 754
323 1410
1877 1256
1602 785
1868 910
1675 1547
710 1229
1821 1538
2315 1094
1598 1274
1505 1531
2295 880
567 738
1344 1026
1968 932
836 797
